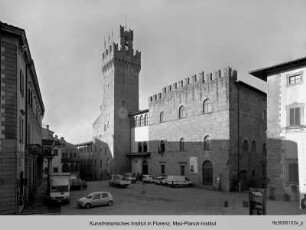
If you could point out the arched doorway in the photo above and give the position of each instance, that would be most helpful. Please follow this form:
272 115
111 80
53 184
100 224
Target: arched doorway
145 168
207 170
243 178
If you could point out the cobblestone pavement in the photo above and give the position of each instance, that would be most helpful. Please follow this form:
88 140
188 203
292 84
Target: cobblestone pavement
152 199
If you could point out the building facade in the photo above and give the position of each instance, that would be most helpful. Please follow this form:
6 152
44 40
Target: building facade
64 155
204 127
286 133
22 109
96 160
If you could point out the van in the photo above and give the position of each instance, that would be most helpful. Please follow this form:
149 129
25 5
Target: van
147 178
176 181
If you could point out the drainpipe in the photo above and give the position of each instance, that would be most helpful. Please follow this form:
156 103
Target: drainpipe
238 132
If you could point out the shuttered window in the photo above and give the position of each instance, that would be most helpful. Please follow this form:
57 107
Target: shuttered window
295 114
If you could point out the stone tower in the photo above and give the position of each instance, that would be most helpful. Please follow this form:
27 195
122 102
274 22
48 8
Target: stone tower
120 67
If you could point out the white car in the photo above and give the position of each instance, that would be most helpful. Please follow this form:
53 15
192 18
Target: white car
130 177
176 181
147 178
95 199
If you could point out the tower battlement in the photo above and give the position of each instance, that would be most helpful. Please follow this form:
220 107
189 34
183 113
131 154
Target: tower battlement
201 78
119 48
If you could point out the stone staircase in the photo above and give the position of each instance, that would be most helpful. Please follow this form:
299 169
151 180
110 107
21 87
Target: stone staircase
39 206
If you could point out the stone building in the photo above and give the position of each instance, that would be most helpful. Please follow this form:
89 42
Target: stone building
64 155
205 127
22 109
95 160
286 133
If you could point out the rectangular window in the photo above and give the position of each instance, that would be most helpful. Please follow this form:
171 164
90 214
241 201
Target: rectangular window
293 173
182 169
295 79
295 114
55 169
21 76
162 169
264 149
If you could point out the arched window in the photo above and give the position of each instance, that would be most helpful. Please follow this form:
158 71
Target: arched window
182 112
161 117
245 146
133 122
207 106
136 121
145 147
65 168
182 144
141 121
207 142
139 147
162 146
146 121
253 147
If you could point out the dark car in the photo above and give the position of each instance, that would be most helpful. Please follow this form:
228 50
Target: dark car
78 184
84 184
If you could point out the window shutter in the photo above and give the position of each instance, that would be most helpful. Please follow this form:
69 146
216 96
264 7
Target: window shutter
297 116
291 116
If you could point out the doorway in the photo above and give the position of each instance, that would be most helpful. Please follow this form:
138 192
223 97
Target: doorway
207 170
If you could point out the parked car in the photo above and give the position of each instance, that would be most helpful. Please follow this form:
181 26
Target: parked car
84 184
177 181
77 184
158 180
147 178
95 199
118 181
130 177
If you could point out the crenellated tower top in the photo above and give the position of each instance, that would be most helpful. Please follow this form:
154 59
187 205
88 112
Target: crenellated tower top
119 48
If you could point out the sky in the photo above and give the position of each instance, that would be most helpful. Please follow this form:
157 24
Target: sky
177 39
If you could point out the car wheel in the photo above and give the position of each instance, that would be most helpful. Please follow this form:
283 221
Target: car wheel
176 186
110 203
88 205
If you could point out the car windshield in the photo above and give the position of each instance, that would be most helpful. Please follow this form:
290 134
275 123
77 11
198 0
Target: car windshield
61 188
